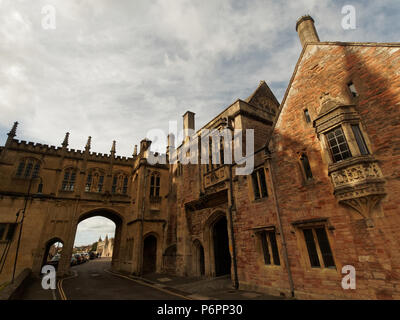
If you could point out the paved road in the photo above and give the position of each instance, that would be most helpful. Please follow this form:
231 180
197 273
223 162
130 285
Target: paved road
95 283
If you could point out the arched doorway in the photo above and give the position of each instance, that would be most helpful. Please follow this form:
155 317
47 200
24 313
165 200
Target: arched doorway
222 256
170 259
149 254
52 252
198 261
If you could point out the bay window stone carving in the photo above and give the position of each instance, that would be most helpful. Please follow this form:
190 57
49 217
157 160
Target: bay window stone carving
357 180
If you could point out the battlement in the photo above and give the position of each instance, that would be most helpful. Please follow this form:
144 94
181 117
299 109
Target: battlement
27 146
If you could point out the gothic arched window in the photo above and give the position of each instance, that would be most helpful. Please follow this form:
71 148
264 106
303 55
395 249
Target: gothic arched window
120 183
155 184
28 168
95 181
68 183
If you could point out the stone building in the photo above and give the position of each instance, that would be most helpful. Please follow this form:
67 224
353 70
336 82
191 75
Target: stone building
322 197
105 247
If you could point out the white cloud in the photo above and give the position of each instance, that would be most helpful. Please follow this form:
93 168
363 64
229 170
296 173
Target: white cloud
91 229
116 69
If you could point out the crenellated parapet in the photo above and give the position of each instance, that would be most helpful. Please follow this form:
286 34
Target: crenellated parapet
38 148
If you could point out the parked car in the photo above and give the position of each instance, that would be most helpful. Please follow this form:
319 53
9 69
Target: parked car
78 258
83 255
87 256
92 255
74 262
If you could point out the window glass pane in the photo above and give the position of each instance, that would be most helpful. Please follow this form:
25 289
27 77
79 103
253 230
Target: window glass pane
274 248
325 247
360 139
36 171
255 186
306 166
263 183
28 170
338 145
267 257
307 116
20 168
311 248
10 232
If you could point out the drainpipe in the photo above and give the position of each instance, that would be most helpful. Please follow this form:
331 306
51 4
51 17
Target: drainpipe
231 205
142 221
278 214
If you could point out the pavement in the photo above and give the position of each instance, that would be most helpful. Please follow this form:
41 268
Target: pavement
93 280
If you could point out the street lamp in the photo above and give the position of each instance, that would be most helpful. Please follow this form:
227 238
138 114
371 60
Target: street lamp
40 188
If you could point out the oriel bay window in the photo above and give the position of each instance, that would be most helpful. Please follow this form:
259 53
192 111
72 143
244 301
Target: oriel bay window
259 183
338 144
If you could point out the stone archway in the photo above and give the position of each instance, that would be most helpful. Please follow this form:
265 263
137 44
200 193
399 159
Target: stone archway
216 245
149 254
47 247
102 212
169 259
222 257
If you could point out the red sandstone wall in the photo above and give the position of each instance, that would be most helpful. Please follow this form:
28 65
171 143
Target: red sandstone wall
374 252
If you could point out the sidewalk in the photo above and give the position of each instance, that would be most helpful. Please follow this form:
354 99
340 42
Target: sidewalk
203 289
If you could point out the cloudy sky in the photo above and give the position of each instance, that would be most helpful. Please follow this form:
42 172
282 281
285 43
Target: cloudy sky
116 69
91 229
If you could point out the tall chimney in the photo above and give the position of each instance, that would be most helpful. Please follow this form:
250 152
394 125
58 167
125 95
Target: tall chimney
188 123
306 29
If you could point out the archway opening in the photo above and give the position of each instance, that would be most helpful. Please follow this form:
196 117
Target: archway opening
97 239
170 259
52 253
149 254
222 256
198 263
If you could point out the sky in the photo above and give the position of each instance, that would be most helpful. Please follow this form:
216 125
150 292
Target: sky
91 229
115 70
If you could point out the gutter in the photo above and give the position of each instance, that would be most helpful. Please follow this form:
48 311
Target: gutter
278 214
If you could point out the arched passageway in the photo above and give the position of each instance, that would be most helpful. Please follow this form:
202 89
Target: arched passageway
198 261
52 252
149 254
222 256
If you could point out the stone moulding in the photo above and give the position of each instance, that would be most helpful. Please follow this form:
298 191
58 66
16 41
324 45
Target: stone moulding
359 184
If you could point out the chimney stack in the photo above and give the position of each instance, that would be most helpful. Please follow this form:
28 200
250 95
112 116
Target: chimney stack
306 30
188 123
